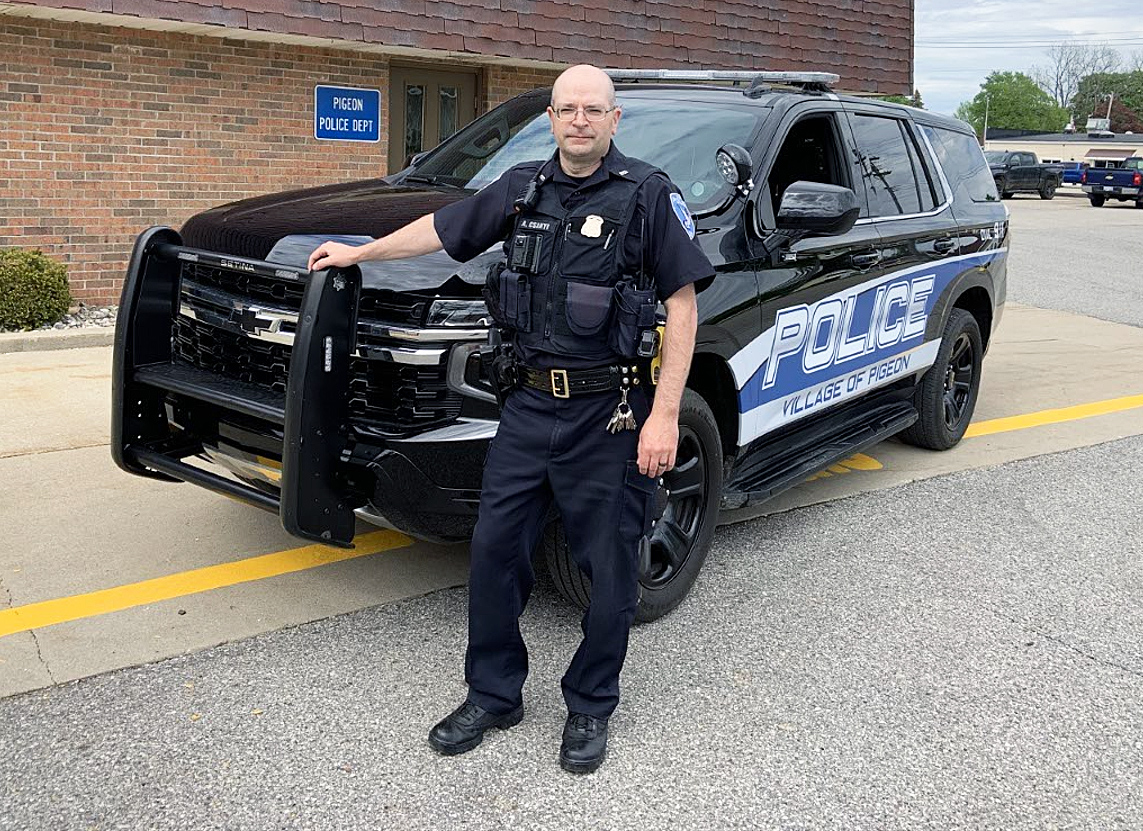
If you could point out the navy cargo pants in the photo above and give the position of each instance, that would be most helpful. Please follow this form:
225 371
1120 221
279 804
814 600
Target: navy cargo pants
547 449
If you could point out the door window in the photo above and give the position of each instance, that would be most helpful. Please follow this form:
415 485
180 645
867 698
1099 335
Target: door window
886 165
810 152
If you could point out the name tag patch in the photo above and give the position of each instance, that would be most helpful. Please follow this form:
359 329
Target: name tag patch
535 225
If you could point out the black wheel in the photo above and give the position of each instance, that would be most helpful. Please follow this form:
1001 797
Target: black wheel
1097 201
947 394
1007 194
680 538
1139 204
1048 190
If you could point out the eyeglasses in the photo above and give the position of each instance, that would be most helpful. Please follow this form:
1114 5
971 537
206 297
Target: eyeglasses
590 113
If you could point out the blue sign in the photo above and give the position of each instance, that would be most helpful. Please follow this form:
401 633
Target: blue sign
347 114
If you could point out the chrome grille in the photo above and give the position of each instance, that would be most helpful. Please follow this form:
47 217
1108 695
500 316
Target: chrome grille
396 383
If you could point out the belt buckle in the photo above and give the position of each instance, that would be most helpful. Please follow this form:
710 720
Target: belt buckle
560 387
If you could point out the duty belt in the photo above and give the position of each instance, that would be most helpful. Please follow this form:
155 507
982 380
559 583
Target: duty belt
564 383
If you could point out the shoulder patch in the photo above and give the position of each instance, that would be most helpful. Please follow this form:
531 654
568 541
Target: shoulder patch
683 213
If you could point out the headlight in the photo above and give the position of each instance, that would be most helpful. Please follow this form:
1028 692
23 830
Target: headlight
458 313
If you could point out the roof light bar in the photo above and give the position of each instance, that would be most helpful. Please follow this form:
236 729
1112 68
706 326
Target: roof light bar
708 75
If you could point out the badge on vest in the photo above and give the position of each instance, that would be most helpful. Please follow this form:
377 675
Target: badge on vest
592 226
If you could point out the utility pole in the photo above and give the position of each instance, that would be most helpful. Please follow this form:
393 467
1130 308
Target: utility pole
987 101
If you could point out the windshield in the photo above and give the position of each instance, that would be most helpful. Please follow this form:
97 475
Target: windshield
681 137
994 156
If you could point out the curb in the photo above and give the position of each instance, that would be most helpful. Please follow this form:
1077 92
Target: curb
50 339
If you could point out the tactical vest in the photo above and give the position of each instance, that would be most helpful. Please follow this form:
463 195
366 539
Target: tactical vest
562 287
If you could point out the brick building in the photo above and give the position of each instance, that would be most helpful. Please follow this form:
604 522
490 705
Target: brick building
120 114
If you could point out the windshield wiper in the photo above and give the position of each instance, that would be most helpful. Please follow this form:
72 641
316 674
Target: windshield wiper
420 177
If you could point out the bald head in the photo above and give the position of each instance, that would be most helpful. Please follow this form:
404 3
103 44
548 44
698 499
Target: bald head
584 80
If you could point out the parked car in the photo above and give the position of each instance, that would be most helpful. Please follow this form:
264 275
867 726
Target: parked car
1071 172
1123 183
860 250
1021 172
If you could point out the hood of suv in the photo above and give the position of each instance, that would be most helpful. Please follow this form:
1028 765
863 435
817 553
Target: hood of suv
286 227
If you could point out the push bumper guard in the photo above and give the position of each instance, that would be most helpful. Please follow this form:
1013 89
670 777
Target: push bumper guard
313 412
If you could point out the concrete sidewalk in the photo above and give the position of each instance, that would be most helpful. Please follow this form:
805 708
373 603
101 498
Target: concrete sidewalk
43 340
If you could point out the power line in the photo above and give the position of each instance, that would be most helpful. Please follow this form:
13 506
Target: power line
1061 38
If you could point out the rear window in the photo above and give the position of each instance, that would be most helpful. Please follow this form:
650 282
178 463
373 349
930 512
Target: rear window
963 163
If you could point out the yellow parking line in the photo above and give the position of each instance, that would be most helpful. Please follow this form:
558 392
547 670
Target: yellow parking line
61 610
1021 422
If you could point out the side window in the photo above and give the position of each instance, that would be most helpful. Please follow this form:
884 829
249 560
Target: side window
962 161
810 152
888 169
923 170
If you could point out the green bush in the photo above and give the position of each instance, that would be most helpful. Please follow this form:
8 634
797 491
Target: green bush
33 289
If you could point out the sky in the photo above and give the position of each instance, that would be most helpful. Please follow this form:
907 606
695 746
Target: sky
959 42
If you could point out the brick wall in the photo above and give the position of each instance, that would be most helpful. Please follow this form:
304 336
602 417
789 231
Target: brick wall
104 132
504 82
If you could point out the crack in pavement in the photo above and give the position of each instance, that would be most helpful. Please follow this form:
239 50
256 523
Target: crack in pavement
1056 639
40 655
40 451
35 640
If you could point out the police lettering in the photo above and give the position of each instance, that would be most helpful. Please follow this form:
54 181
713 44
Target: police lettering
849 325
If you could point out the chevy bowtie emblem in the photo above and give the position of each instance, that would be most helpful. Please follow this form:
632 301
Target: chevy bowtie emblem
250 322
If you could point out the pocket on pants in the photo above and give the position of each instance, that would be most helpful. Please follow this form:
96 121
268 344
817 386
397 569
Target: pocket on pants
635 510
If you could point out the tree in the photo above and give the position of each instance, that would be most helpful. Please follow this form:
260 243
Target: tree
1014 102
913 100
1068 63
1135 63
1091 99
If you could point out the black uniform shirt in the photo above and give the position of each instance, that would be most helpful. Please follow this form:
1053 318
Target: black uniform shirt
669 253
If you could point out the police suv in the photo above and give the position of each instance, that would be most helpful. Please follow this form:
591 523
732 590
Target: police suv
860 250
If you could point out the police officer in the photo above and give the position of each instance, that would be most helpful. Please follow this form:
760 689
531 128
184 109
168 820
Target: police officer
593 240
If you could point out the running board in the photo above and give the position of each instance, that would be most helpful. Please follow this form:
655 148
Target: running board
766 471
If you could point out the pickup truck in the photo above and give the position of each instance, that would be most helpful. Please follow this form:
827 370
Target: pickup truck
1017 171
1123 183
1072 172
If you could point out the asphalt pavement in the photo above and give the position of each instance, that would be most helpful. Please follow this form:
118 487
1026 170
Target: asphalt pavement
1069 256
962 652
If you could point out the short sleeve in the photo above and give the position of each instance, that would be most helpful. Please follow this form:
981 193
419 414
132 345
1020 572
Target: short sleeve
674 256
471 226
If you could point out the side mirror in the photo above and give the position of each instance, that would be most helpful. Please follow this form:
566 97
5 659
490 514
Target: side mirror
817 208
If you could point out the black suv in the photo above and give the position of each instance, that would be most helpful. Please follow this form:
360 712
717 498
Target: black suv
860 251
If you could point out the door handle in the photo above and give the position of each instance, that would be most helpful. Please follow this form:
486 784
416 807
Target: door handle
865 260
944 246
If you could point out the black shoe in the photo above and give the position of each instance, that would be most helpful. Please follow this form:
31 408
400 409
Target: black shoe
585 743
463 728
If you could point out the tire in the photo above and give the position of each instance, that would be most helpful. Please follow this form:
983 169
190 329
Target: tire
1048 190
1139 204
946 396
1097 201
1007 194
681 537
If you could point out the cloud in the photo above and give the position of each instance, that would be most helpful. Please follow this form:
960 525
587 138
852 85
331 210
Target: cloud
959 42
